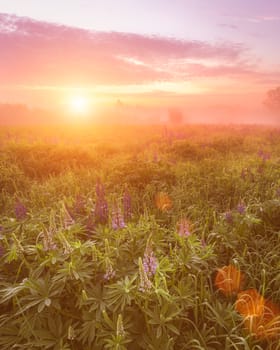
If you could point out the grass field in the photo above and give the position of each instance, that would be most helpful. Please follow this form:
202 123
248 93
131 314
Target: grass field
140 237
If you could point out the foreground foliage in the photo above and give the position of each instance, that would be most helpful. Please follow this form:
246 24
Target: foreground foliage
168 242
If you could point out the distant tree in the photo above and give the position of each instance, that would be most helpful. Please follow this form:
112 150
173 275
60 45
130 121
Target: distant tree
272 100
175 116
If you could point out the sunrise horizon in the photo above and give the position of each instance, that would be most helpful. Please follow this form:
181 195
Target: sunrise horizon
205 60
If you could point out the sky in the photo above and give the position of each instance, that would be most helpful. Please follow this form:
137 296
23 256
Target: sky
195 54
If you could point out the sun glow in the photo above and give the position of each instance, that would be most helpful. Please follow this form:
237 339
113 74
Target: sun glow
79 105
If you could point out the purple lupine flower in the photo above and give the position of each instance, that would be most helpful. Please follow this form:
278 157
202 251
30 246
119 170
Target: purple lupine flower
117 219
145 283
20 211
241 208
203 243
228 217
67 219
183 228
264 155
99 189
110 273
149 262
101 210
278 192
90 225
79 205
101 205
127 207
48 242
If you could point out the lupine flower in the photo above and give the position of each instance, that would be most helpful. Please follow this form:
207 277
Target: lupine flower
163 201
278 192
117 219
110 273
229 280
90 225
228 217
145 283
101 205
241 208
48 242
120 327
79 205
264 155
127 209
203 243
20 211
183 228
67 219
149 262
99 189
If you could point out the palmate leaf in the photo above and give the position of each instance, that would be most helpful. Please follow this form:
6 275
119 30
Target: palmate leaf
87 331
120 294
9 292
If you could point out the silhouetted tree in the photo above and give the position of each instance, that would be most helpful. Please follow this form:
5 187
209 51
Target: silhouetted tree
272 100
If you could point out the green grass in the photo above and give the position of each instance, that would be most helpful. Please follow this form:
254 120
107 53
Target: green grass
69 282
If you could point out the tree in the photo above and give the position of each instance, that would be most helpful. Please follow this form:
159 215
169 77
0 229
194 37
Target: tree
272 100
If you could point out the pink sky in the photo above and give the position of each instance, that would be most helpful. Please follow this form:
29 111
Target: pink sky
189 53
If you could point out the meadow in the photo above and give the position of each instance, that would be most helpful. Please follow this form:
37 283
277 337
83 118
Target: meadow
140 237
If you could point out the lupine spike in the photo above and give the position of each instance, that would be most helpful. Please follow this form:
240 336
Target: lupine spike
145 283
120 327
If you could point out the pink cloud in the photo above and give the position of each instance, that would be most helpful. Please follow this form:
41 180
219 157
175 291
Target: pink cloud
34 52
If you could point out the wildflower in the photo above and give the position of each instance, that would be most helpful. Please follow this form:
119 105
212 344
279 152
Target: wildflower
117 219
90 225
183 228
20 211
264 155
79 205
163 201
120 328
241 208
149 262
145 283
278 192
127 211
228 217
229 280
203 243
67 219
48 242
110 273
101 205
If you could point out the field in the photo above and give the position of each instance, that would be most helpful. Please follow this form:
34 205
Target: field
140 237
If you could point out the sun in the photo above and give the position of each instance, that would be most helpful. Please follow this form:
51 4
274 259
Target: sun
79 105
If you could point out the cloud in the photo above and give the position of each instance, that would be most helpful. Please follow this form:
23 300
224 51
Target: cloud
40 53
